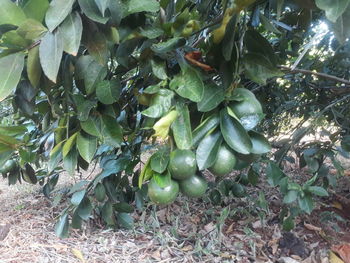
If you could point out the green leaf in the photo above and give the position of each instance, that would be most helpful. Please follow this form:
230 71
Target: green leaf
306 203
58 10
288 223
290 197
158 69
204 128
13 130
84 109
92 126
108 92
50 53
160 160
260 144
317 190
102 5
62 226
111 131
161 103
77 197
84 209
274 174
90 71
36 9
87 145
234 133
10 74
188 84
33 66
333 8
31 29
258 68
10 13
253 177
181 127
107 213
96 43
340 28
69 144
146 173
71 30
207 150
90 9
137 6
213 95
123 207
125 220
70 161
76 220
168 45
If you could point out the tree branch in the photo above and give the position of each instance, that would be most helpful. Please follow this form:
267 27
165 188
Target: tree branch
322 75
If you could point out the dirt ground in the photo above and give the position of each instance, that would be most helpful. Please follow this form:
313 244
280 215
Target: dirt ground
186 231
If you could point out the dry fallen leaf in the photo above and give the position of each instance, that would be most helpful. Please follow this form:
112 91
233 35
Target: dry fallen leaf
333 258
312 227
343 251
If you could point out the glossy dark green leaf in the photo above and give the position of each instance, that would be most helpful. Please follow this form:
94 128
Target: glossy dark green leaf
108 91
70 161
204 128
76 220
36 9
62 226
85 208
188 84
207 150
92 126
253 177
260 144
181 128
234 133
136 6
84 108
259 69
67 146
160 160
90 9
123 207
87 146
229 38
111 131
108 214
274 174
213 95
102 5
340 28
10 74
58 10
96 43
90 71
161 103
100 192
71 30
125 220
10 13
158 69
50 53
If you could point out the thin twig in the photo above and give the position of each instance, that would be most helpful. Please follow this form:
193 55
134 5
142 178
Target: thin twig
322 75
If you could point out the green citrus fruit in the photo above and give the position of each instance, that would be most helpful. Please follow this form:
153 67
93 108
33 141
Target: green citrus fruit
182 164
243 179
248 158
238 190
225 162
165 194
8 166
194 186
248 109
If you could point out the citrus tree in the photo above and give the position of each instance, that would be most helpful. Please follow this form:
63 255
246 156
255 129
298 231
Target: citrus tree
102 81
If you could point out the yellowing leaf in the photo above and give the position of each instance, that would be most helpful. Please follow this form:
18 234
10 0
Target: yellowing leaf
162 126
78 254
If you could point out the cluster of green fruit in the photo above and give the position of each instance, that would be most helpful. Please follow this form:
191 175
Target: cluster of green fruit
14 172
224 141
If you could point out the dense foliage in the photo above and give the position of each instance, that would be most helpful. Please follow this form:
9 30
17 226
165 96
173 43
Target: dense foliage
86 81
